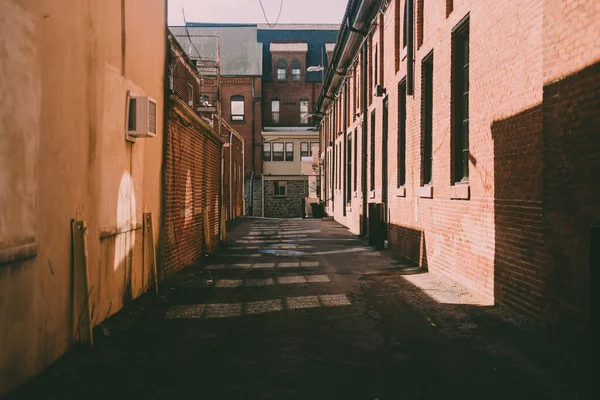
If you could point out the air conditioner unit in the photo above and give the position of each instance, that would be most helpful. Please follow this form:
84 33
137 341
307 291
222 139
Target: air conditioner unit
142 117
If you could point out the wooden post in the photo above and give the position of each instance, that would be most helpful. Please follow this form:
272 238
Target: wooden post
150 251
207 230
223 224
81 289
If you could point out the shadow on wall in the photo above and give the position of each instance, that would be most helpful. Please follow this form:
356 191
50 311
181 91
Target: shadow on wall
546 163
410 243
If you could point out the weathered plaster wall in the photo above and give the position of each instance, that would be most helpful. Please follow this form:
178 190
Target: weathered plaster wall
65 68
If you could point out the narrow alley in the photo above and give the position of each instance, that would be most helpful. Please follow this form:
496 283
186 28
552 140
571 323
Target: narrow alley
303 309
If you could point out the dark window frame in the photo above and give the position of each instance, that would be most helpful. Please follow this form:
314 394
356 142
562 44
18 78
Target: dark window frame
372 148
427 71
355 187
401 149
460 102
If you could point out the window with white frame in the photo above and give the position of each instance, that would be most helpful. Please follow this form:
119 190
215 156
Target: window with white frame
237 108
296 73
275 111
281 75
304 111
278 153
289 151
266 155
279 188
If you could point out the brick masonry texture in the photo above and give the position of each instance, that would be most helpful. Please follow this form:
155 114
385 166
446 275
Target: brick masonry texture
231 86
192 183
288 206
522 237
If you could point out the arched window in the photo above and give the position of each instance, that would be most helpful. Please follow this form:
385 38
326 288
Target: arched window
296 70
281 70
237 108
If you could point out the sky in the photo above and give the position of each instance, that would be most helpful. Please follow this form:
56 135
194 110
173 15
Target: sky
249 11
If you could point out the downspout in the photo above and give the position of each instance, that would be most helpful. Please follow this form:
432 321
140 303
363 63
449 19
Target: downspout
251 207
324 189
230 174
363 178
333 171
243 176
263 195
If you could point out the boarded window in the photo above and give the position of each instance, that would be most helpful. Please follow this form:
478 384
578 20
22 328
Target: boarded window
237 108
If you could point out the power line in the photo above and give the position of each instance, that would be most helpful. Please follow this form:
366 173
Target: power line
265 14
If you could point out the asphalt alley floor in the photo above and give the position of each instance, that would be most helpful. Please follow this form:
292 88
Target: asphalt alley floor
303 309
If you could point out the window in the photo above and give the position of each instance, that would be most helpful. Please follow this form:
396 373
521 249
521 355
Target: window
275 111
405 24
314 149
349 167
355 160
339 154
278 152
296 67
304 149
281 70
304 111
460 101
237 108
279 188
266 152
397 34
402 133
427 124
190 95
382 51
289 151
373 150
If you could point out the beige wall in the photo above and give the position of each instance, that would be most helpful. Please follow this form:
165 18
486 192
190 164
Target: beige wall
64 77
287 167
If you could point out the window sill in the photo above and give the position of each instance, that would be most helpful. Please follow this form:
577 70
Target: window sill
460 191
372 194
279 195
18 253
401 192
426 192
237 122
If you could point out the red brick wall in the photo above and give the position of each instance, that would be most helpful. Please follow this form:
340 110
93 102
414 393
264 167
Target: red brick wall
571 191
231 86
192 169
522 237
289 94
233 175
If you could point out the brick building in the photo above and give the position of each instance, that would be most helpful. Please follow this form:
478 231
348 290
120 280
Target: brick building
266 94
475 125
204 156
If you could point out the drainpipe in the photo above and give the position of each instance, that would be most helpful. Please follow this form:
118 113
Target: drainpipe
324 188
363 178
263 196
230 174
333 171
251 207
